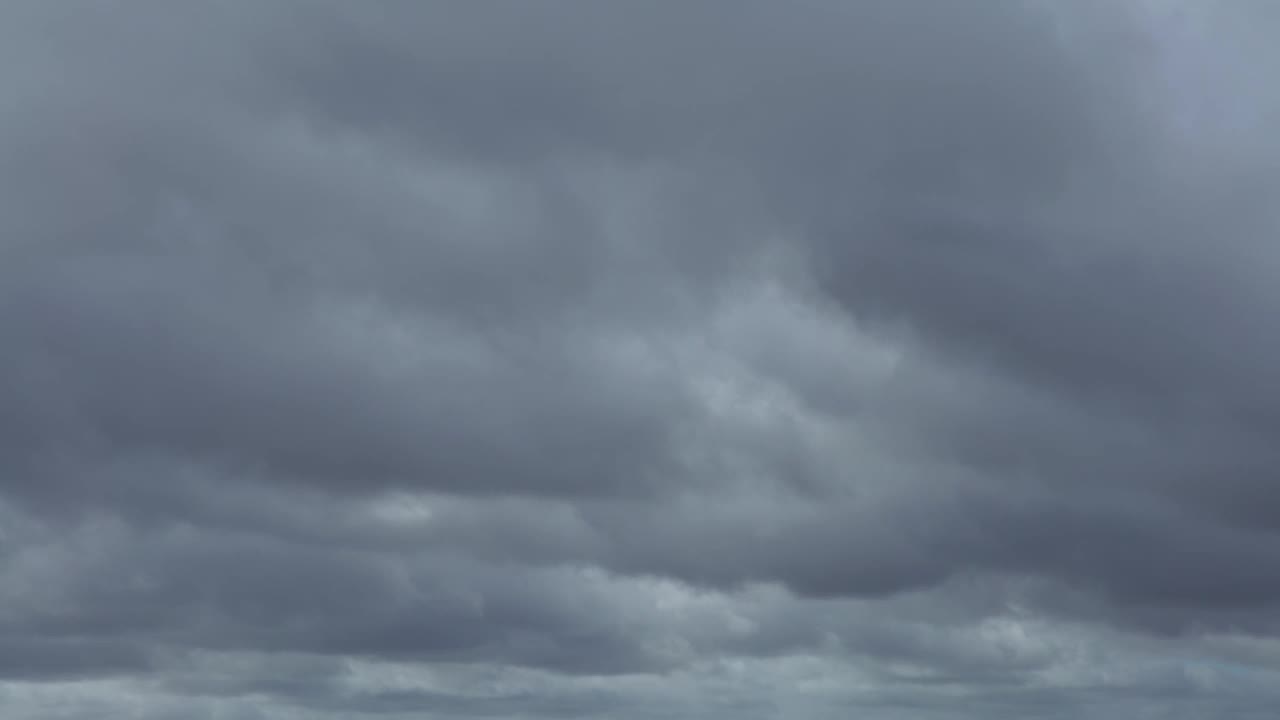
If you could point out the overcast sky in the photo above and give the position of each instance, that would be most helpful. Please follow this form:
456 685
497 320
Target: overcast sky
741 359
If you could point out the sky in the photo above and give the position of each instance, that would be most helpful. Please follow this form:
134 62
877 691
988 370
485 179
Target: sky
624 359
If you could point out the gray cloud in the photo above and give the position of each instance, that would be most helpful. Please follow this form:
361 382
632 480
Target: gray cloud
581 359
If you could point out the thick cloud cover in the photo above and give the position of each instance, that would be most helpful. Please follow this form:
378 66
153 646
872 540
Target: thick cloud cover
892 358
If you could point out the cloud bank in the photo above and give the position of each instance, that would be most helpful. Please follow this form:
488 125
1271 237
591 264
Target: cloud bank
897 359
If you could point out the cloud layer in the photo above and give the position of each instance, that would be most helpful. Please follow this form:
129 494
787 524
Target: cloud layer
602 359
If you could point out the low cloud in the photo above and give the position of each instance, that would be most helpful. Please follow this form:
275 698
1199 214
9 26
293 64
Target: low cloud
590 359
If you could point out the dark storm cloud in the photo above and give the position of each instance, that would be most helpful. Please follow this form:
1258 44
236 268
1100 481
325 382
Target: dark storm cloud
565 358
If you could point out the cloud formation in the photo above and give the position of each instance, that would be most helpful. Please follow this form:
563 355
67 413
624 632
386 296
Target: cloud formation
604 359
